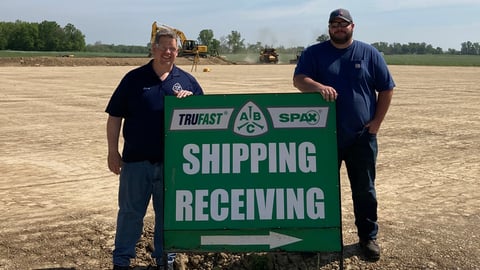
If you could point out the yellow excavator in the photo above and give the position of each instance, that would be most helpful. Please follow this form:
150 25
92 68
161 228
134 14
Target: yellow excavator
188 47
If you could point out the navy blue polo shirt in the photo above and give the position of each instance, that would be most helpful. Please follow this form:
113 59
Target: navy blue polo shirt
139 100
356 73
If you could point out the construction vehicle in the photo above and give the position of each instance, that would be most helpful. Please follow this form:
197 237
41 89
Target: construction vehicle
188 47
268 55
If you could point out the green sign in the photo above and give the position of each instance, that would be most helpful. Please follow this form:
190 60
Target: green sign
251 172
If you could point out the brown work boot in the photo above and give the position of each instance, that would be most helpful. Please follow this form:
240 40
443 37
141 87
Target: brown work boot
370 249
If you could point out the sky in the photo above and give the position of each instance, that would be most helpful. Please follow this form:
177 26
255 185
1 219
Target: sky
289 23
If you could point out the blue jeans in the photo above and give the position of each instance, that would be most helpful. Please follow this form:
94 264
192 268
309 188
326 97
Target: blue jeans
360 161
139 181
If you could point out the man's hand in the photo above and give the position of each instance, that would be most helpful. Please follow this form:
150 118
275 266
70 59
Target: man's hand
308 85
328 93
373 127
115 162
183 93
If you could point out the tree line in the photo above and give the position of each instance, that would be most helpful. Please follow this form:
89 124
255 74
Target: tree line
50 36
44 36
467 48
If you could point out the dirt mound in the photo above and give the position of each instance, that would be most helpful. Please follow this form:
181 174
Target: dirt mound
99 61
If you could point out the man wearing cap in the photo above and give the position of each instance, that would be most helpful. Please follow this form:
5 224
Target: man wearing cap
355 76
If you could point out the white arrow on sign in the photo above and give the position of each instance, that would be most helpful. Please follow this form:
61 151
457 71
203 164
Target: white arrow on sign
273 240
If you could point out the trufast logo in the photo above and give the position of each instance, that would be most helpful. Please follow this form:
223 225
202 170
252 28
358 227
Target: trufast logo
200 119
299 117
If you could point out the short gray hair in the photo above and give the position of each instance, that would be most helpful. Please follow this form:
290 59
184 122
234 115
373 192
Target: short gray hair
165 33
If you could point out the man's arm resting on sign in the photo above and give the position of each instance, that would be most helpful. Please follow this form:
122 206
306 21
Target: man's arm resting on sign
308 85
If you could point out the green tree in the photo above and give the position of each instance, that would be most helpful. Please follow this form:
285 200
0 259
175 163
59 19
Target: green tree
383 47
257 47
205 37
50 36
5 29
214 47
470 48
73 40
46 36
323 37
476 47
235 42
23 36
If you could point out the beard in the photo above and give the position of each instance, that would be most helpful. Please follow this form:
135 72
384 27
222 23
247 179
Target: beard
341 40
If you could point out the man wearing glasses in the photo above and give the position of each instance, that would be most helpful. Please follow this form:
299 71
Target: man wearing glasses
355 76
138 102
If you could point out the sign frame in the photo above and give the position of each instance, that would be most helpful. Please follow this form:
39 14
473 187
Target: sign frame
270 204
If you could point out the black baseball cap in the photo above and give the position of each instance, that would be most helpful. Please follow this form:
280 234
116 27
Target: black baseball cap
342 14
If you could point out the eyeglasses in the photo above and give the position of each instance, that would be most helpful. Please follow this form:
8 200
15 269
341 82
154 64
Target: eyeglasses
163 49
339 24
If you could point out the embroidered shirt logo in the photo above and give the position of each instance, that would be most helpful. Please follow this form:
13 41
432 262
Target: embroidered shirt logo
177 87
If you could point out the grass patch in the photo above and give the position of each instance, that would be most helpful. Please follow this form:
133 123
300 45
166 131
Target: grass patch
252 58
8 53
403 59
433 60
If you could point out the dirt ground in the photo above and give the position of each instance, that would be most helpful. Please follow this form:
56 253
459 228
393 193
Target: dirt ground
58 199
